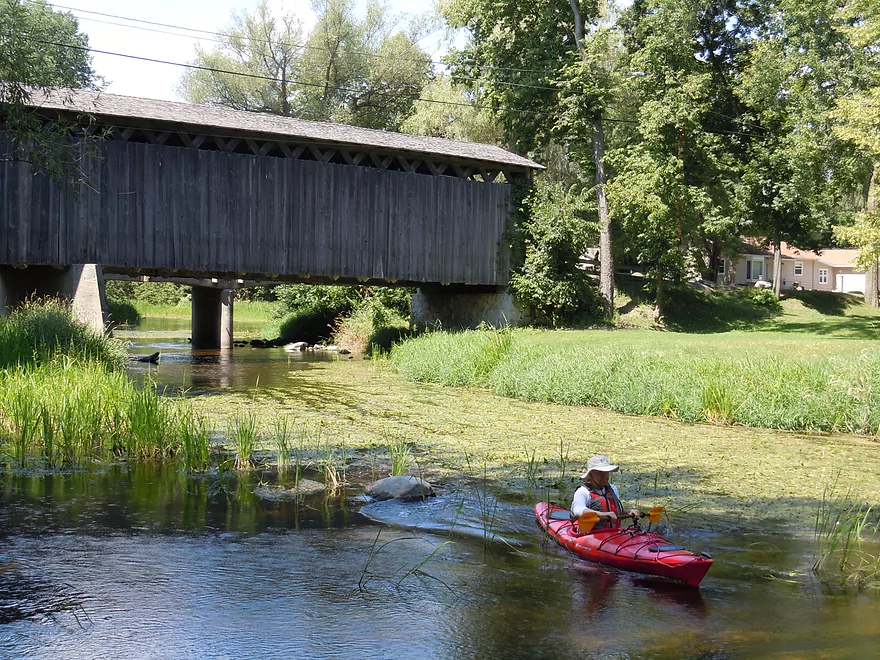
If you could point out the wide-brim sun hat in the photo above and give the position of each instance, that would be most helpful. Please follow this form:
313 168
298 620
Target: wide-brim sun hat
600 463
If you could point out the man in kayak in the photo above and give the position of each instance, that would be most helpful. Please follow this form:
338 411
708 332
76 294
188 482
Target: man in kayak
596 494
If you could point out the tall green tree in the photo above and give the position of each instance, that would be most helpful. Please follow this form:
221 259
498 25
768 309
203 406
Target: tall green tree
795 174
41 49
674 163
365 72
856 120
541 71
453 111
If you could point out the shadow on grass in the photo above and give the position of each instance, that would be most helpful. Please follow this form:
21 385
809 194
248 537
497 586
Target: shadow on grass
826 302
698 311
848 327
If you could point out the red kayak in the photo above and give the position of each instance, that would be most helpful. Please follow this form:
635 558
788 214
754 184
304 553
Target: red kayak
629 548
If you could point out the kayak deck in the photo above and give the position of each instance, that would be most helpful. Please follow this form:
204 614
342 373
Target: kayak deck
627 548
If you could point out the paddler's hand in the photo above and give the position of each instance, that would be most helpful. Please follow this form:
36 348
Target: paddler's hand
635 514
608 515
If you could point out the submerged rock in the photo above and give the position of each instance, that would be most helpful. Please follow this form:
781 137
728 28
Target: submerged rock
275 493
404 488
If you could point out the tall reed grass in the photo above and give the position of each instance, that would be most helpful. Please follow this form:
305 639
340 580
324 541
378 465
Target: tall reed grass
847 538
64 397
779 391
242 432
400 450
63 411
40 329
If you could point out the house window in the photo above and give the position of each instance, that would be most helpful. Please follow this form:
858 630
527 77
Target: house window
823 276
798 268
722 266
754 270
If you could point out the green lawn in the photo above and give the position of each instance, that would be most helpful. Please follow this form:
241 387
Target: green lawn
245 311
813 365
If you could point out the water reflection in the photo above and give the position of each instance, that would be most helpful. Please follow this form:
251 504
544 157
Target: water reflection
153 563
181 368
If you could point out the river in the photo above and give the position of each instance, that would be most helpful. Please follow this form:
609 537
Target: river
139 561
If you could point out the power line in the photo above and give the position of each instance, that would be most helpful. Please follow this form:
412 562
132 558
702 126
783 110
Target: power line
413 97
372 55
256 76
266 41
306 47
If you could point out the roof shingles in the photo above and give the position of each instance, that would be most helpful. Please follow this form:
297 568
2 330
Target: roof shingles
215 117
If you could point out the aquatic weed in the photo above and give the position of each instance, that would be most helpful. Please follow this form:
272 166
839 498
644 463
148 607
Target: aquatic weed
844 528
243 436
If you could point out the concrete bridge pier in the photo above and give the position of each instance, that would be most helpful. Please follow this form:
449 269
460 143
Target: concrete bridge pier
454 306
211 318
81 284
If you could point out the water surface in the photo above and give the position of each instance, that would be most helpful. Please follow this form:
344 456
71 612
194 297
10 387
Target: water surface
140 561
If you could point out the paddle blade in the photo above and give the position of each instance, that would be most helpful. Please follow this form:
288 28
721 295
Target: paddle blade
587 521
655 513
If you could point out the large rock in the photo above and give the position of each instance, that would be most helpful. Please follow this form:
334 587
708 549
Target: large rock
402 488
303 488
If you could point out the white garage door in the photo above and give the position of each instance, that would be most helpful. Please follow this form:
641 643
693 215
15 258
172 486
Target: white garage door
851 283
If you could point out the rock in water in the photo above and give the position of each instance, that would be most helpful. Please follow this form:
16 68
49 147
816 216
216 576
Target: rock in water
305 487
296 346
404 488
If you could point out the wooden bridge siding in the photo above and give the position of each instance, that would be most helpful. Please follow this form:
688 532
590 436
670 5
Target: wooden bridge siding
157 207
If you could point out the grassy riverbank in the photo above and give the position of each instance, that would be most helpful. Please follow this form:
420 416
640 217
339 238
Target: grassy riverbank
243 310
715 477
800 370
65 398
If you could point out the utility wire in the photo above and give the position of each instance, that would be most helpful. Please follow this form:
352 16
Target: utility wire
413 97
266 41
305 47
214 34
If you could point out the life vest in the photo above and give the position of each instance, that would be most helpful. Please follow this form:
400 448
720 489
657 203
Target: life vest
607 501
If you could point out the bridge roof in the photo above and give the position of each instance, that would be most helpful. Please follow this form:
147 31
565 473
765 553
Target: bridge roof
214 119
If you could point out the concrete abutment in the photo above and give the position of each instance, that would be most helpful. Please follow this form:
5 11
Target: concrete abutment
465 307
81 284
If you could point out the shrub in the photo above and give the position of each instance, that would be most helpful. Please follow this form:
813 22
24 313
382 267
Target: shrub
371 325
38 330
764 298
554 233
312 324
123 313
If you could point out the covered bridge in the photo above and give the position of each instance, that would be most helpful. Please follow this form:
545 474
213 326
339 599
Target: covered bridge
216 197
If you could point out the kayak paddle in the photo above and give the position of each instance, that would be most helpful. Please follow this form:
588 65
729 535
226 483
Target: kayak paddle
588 519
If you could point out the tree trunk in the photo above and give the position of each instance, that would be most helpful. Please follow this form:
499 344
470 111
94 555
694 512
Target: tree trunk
872 286
777 263
659 303
606 255
872 277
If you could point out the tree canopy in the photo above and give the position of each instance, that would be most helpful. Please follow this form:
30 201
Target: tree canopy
723 120
363 71
40 48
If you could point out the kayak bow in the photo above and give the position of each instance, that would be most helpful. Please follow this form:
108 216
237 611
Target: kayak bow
631 549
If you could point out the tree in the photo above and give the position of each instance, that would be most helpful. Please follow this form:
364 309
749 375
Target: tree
674 163
453 111
857 120
41 49
792 181
363 72
532 60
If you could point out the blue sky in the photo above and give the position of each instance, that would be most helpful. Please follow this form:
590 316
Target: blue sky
151 80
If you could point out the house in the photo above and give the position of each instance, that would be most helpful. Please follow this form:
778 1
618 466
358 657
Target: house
827 270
